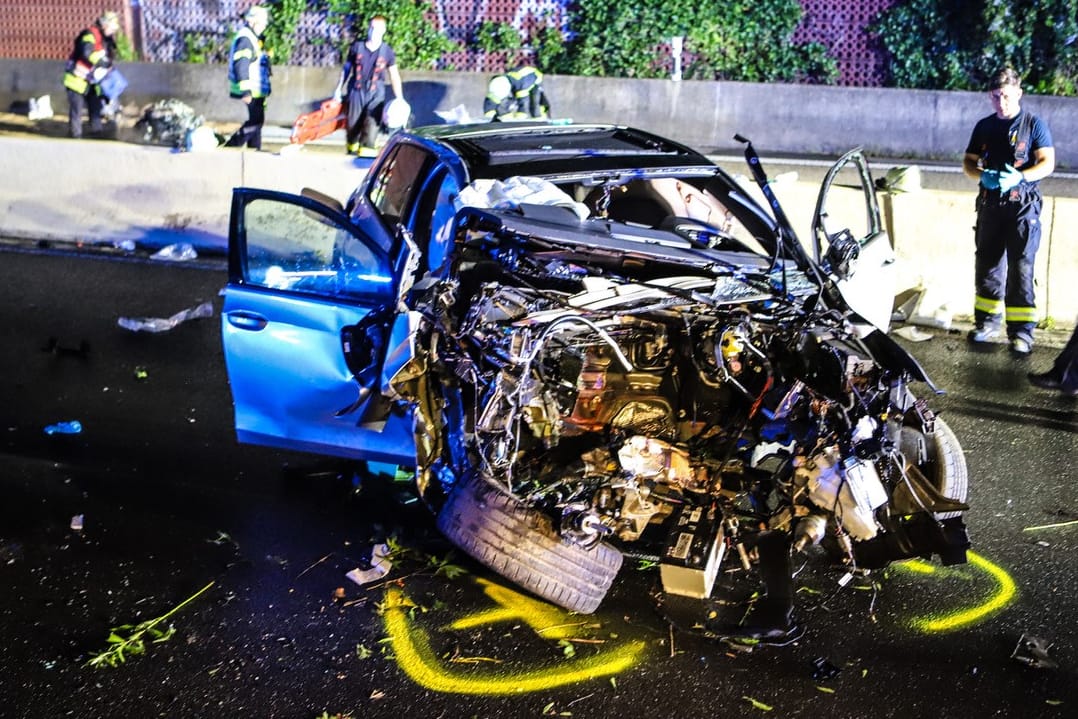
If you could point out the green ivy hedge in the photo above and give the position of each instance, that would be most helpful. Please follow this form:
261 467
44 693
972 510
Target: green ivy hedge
929 44
959 44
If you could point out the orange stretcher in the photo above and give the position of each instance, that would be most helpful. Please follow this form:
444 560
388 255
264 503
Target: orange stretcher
331 116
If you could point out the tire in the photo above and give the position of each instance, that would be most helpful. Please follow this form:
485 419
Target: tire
944 465
521 545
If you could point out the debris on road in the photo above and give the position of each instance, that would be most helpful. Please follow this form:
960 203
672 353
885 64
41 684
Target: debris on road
77 523
913 334
40 108
70 427
168 122
178 252
121 647
1050 526
1033 652
380 566
822 670
158 324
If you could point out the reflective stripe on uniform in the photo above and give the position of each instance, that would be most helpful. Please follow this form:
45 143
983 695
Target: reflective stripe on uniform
1021 314
75 84
256 80
984 304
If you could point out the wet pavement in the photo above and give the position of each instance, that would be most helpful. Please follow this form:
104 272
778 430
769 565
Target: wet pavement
170 505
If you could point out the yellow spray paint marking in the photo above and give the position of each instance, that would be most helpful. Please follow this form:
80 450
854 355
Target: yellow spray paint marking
547 620
1004 595
411 646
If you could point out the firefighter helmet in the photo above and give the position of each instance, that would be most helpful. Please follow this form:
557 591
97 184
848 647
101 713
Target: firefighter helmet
396 113
257 13
499 88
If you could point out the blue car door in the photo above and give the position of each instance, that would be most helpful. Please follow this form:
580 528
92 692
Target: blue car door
306 319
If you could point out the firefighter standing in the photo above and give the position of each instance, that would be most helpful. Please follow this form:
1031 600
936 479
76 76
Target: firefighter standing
91 59
1009 152
249 76
516 95
363 82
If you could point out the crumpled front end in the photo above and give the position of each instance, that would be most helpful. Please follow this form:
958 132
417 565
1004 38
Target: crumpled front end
615 406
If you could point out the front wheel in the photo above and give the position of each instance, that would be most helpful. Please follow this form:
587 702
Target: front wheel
522 545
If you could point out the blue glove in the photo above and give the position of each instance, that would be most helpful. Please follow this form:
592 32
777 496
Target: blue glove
1009 178
990 179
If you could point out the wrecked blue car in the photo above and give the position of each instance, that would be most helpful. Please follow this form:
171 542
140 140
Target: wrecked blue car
587 341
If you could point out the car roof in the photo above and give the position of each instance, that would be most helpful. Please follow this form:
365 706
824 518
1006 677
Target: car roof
499 150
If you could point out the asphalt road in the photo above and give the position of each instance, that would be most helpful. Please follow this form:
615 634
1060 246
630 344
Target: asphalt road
170 505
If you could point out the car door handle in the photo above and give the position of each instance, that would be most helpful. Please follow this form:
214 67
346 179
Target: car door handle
247 320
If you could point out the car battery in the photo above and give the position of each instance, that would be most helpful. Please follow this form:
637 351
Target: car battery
693 553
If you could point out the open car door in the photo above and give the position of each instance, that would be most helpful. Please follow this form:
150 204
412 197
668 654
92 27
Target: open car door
304 329
850 242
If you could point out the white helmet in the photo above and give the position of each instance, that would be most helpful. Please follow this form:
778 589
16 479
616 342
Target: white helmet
499 88
257 13
396 114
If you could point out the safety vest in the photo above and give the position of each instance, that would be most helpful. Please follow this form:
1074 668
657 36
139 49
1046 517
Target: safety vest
523 79
78 70
254 77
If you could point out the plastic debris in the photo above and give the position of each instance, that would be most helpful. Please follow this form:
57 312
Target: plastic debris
913 334
159 324
380 566
70 427
40 108
1033 651
141 373
179 252
125 245
201 139
457 116
823 670
77 522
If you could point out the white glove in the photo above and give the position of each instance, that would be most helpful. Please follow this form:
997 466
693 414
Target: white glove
99 73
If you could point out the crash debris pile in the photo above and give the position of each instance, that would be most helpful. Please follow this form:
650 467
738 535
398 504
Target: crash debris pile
169 122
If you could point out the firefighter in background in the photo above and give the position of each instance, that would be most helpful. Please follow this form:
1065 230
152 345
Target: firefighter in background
363 86
90 61
1009 153
516 95
249 76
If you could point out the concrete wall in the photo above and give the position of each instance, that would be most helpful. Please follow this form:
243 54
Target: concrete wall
777 118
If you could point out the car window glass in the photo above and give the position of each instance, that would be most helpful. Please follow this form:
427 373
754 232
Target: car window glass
656 202
393 186
441 221
289 247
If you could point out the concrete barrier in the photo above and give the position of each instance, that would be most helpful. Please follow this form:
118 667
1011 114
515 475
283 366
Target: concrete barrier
100 192
105 192
779 118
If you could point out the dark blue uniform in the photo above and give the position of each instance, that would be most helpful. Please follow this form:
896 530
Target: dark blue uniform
1008 224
